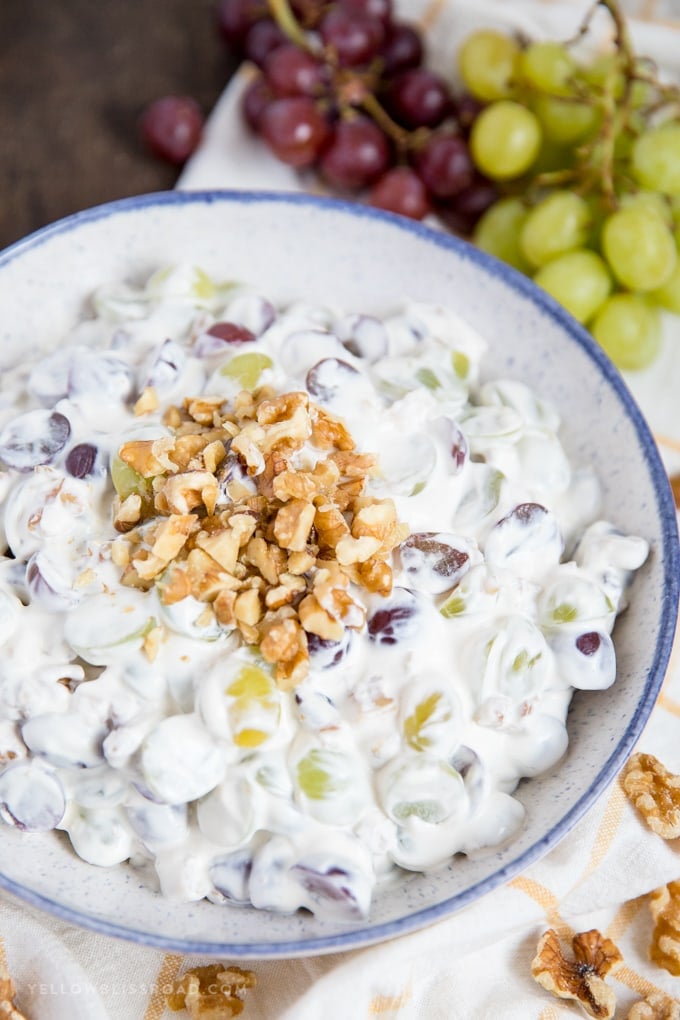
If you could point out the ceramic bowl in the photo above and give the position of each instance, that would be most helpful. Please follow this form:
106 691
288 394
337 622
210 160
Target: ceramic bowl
297 247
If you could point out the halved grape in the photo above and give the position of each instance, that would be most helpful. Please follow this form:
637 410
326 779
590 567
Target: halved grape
337 891
527 540
575 603
66 740
364 336
396 620
432 718
421 788
33 438
331 380
106 627
331 785
98 373
167 363
127 481
85 460
246 369
305 347
434 562
255 706
158 824
230 875
587 660
226 815
326 654
100 836
48 380
481 497
50 583
179 760
405 469
31 797
315 710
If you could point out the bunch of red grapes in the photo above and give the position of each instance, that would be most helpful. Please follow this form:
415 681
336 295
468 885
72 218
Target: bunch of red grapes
344 91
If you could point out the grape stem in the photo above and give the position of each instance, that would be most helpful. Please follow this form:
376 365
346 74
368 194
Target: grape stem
283 15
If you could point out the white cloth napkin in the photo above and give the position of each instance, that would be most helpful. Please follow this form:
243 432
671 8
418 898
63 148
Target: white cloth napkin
474 965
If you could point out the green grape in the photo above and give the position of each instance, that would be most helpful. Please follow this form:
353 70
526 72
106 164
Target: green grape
628 328
127 481
246 369
498 230
427 378
433 711
654 203
255 702
579 280
605 71
486 61
656 159
559 223
668 296
566 121
553 156
547 66
639 247
505 140
323 773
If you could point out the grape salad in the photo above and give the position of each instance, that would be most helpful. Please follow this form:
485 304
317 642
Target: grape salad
291 598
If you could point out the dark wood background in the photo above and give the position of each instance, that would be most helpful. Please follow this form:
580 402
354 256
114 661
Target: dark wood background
74 77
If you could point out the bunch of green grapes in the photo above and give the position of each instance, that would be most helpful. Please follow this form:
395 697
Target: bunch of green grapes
587 157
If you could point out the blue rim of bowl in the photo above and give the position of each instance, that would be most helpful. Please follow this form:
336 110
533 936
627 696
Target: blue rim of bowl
356 937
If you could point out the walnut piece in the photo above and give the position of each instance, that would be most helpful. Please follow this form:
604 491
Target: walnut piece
275 551
8 1009
654 792
583 977
665 947
655 1007
212 992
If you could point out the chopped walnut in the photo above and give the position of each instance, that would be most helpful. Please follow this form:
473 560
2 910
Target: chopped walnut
583 977
272 550
654 792
655 1007
8 1010
665 948
212 992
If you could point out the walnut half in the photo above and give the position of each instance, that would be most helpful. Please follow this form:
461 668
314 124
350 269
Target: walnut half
7 992
583 977
654 792
665 948
655 1007
212 992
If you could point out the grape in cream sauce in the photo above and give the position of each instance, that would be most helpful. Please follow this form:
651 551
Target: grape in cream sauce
404 744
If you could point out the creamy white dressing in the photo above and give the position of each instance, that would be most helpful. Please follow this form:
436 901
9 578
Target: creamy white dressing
406 741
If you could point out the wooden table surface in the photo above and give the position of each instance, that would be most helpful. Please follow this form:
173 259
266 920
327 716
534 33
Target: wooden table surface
74 77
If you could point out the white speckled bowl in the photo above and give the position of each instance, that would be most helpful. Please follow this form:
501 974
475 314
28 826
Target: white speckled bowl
348 256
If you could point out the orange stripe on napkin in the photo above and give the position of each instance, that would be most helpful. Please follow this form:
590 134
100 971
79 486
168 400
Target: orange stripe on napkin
3 957
390 1003
169 970
669 705
624 917
549 1013
606 833
631 979
546 899
669 441
431 14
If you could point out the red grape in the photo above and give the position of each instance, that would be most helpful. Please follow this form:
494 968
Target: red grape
462 212
236 17
354 38
400 190
172 127
402 49
467 110
419 98
263 38
256 97
231 333
445 166
380 9
357 154
293 72
294 129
